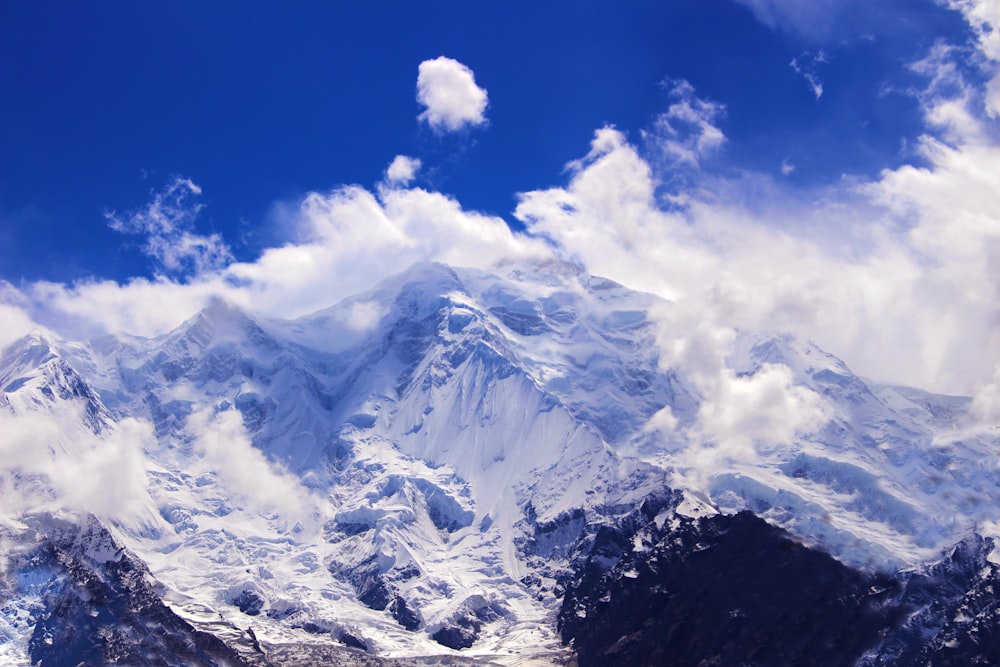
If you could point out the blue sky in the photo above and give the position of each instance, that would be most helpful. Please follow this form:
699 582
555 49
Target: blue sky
773 163
257 103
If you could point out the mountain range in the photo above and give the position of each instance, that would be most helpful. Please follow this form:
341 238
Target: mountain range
468 467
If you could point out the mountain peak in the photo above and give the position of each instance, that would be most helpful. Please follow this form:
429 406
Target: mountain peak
219 321
219 310
26 354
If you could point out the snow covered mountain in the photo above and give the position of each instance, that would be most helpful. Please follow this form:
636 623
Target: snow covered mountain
487 467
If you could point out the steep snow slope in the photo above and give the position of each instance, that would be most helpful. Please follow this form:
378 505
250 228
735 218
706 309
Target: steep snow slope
414 470
889 480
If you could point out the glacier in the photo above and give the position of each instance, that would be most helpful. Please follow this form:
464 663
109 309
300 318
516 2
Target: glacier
460 466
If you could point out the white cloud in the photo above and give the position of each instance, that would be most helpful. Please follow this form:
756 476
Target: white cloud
166 222
805 66
346 241
741 418
168 212
765 408
363 315
985 408
787 167
687 131
908 295
140 306
14 321
448 89
983 16
402 170
814 19
49 461
222 443
894 274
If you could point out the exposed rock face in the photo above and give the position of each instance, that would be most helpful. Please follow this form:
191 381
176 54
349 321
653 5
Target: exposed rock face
98 605
376 591
658 588
719 590
952 612
461 629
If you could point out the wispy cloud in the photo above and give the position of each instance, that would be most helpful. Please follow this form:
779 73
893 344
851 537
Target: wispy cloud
805 66
688 130
48 461
222 445
448 90
810 19
167 223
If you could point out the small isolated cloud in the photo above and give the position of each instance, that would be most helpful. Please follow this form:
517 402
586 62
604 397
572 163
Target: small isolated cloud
805 66
402 170
688 130
167 223
448 89
787 167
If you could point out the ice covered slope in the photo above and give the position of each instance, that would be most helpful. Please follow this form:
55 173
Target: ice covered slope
412 470
891 478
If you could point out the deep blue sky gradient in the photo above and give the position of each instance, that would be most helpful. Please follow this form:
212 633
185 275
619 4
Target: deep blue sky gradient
101 103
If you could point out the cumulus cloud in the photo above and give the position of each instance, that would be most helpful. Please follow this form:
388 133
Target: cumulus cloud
984 18
402 170
765 408
985 408
448 90
911 299
167 223
346 240
739 414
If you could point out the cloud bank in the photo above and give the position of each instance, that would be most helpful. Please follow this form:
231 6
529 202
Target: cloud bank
897 274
